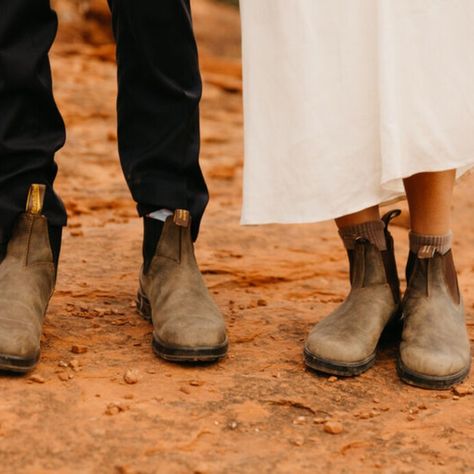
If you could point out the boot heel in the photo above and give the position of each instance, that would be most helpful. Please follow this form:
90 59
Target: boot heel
143 306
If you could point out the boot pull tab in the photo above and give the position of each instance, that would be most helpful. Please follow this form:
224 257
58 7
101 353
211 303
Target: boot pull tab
182 218
389 216
35 201
426 251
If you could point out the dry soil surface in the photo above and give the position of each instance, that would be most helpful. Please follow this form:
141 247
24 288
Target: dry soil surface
258 410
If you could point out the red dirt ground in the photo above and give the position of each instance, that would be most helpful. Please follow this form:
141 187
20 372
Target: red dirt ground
259 410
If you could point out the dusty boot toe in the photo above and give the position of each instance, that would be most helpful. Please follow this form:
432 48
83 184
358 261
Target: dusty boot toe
195 334
447 362
332 348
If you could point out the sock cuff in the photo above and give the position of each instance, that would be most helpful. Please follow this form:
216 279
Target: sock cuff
160 214
373 231
426 245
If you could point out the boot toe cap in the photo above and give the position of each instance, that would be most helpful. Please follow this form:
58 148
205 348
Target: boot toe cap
192 334
439 363
337 348
18 342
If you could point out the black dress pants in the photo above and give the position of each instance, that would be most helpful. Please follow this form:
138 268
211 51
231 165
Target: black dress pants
159 90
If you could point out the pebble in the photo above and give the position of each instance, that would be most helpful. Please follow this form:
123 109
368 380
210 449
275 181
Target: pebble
116 407
63 376
37 378
297 440
196 383
456 397
319 421
262 302
74 364
463 390
333 427
300 420
61 363
233 425
131 376
332 379
185 390
410 418
78 349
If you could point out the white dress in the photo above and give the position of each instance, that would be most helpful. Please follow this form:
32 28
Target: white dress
344 98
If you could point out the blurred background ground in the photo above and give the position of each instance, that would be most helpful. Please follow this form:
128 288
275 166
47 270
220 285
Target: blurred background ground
100 401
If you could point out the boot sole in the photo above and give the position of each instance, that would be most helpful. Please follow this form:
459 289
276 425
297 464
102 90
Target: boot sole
429 381
181 354
337 368
17 365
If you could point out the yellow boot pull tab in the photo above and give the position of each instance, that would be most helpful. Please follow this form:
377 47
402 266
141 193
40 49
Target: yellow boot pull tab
34 204
181 217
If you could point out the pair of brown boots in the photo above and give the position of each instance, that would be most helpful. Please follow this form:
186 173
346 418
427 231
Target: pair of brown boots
187 324
434 350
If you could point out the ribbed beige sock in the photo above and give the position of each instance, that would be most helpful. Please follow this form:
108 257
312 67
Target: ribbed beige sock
425 245
373 231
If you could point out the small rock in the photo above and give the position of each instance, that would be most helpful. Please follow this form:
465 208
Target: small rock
332 379
185 390
300 420
376 400
456 397
74 364
78 349
63 376
129 396
37 378
297 440
319 421
233 425
410 418
422 406
196 383
262 302
333 427
131 376
114 408
463 390
61 363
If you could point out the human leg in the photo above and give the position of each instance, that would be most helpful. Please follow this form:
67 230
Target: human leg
158 131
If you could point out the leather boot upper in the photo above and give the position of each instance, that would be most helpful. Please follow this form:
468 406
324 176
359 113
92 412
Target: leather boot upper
183 313
350 333
434 338
27 279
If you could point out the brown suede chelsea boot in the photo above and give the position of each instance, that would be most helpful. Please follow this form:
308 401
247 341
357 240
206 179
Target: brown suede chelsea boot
187 324
345 342
435 351
27 279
